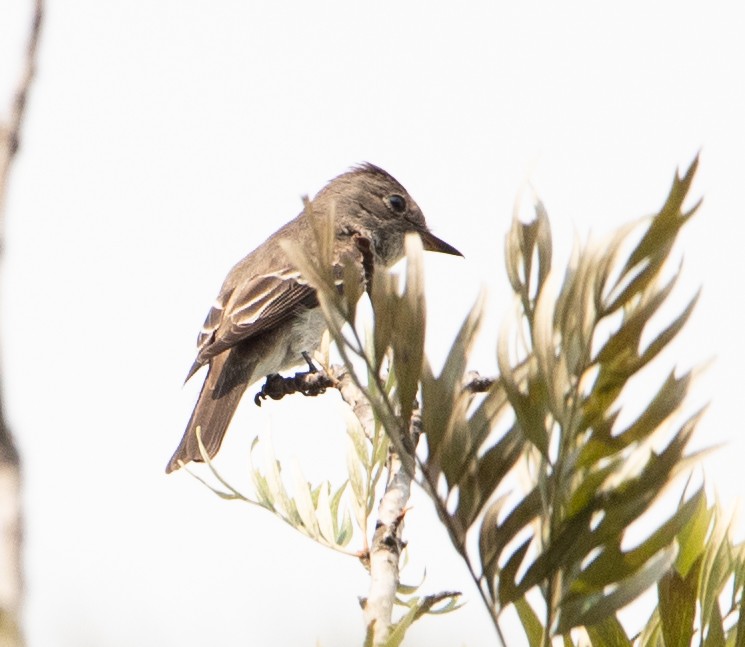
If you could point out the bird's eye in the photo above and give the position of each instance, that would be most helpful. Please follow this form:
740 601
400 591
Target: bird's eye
397 203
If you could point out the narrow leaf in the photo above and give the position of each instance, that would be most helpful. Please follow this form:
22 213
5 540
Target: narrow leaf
409 328
677 602
530 622
596 608
608 633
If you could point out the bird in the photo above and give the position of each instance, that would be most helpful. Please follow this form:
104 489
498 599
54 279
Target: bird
267 319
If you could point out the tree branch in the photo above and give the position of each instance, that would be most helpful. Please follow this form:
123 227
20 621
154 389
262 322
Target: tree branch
10 131
387 542
11 581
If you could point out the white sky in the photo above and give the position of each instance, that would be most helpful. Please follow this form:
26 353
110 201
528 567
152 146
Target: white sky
164 140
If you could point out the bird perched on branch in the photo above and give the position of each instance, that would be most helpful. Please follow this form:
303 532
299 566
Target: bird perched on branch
266 318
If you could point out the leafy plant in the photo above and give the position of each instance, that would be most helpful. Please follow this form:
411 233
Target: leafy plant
554 542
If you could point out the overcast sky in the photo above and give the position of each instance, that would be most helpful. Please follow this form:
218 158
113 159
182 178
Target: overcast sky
164 140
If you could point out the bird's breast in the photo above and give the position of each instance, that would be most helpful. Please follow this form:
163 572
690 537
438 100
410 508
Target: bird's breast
307 329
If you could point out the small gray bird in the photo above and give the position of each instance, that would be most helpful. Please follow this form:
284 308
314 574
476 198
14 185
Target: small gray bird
266 318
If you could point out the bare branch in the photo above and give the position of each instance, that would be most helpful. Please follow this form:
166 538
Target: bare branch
387 543
10 131
356 400
11 581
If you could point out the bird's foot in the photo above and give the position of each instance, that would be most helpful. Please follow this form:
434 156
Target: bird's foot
311 383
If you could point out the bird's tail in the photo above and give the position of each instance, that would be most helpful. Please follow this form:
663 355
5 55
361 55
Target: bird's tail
221 392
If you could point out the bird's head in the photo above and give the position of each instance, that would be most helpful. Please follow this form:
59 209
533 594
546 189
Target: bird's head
373 202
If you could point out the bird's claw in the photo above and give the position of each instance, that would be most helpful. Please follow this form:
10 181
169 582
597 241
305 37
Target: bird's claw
310 383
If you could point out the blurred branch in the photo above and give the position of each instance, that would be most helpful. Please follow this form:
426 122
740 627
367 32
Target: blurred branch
10 131
11 584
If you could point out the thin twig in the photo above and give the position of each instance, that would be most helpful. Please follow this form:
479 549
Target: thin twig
11 579
356 400
10 132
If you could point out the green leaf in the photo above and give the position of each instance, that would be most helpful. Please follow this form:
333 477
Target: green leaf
587 491
645 261
528 407
456 447
275 486
651 634
353 287
716 570
409 326
493 538
715 634
543 243
322 224
692 537
629 333
384 298
359 440
636 279
594 608
455 363
666 401
508 590
488 472
669 220
677 603
261 486
304 503
572 540
608 633
492 406
552 367
525 242
399 629
514 256
601 443
740 627
488 534
358 485
345 531
453 604
436 412
612 565
575 317
316 264
336 499
323 514
530 622
667 335
417 608
633 496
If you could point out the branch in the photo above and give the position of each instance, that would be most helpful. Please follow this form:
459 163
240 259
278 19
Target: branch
311 383
387 543
356 400
10 131
11 580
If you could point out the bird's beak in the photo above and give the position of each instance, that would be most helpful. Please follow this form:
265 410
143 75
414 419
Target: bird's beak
432 243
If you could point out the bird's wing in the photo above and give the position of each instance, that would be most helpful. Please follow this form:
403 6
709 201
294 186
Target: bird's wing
245 310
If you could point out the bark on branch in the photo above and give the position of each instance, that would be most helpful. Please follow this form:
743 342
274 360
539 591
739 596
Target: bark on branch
387 542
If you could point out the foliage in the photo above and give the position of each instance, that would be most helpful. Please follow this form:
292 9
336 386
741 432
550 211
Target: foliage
535 477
